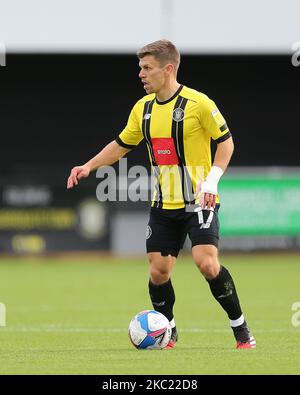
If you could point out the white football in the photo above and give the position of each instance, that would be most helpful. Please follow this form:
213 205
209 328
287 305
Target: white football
149 330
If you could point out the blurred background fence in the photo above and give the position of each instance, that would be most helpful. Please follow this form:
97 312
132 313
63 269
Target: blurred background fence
259 210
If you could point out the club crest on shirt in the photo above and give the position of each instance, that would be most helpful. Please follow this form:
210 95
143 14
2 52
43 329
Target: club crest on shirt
178 114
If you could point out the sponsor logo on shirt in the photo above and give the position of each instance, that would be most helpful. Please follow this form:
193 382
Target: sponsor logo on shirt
164 151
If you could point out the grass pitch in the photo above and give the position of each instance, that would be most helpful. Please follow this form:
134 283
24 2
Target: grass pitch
69 316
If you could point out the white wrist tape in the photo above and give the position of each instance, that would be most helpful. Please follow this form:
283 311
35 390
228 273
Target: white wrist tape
210 185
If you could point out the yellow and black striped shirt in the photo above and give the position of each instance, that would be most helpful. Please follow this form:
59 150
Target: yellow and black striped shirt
178 134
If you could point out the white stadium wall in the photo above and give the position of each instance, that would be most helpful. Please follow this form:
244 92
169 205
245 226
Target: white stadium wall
196 26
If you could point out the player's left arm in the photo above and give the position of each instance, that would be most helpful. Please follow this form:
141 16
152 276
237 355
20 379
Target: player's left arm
209 187
215 125
224 153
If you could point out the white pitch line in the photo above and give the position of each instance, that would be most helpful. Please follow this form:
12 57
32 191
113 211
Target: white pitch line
60 329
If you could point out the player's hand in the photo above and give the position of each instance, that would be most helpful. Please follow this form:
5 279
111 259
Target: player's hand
77 173
207 194
208 201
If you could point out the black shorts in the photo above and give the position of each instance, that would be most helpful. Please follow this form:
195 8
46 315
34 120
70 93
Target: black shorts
167 229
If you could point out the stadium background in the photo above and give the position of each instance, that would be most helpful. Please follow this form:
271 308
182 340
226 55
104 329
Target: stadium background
58 110
69 81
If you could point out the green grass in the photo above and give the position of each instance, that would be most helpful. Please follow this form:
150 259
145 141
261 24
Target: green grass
69 316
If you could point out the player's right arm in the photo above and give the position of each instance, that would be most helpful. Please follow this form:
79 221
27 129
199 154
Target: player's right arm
129 138
108 156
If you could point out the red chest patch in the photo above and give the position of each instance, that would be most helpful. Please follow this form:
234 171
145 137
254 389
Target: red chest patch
164 151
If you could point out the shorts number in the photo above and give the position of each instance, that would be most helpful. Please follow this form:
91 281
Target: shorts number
205 225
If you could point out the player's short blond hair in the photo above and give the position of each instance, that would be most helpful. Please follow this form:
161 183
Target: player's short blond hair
164 51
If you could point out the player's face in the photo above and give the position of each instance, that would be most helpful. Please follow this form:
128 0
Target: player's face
152 74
